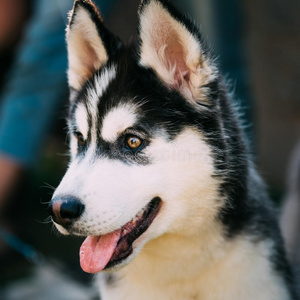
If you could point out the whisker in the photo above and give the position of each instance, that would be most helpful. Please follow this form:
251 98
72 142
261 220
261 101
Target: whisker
47 185
45 202
48 220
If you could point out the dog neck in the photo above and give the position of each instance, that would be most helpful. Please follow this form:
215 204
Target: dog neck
172 266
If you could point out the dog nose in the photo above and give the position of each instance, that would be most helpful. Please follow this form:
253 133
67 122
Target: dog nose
64 210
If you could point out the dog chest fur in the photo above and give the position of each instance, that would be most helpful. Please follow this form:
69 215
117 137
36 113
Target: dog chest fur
232 271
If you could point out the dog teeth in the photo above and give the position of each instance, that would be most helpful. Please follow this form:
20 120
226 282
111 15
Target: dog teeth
140 213
133 222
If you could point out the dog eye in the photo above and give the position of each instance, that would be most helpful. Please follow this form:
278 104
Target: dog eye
80 138
134 142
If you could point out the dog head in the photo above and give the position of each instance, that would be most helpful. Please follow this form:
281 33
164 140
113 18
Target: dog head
145 135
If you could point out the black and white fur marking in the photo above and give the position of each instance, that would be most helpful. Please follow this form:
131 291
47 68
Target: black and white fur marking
214 235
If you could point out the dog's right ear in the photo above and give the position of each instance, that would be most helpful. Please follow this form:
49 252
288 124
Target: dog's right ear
89 43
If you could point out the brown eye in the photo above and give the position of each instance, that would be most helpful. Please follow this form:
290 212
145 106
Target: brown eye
134 142
80 138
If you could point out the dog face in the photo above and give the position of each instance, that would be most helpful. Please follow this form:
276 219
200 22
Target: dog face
142 120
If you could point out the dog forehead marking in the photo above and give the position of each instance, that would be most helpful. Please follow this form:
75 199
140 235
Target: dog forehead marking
117 120
103 80
100 84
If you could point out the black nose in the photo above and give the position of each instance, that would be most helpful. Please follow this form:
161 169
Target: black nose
64 210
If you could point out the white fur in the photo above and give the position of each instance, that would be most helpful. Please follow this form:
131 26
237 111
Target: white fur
183 254
112 192
203 267
117 120
82 120
94 93
102 81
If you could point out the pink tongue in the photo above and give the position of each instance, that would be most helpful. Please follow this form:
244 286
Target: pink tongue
96 251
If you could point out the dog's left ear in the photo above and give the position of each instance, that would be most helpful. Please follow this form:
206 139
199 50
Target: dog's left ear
172 46
90 44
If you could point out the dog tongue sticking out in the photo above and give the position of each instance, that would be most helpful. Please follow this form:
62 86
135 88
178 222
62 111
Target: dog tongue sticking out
96 251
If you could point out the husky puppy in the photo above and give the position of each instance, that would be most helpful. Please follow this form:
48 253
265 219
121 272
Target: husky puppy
160 180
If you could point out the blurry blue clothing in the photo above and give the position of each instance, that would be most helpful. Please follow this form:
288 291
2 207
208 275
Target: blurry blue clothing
37 83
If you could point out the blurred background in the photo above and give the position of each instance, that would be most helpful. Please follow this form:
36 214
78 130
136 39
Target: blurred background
257 44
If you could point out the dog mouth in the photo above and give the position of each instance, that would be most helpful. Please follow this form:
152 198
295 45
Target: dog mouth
98 253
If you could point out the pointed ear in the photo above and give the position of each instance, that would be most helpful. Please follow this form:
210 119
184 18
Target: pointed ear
89 43
172 46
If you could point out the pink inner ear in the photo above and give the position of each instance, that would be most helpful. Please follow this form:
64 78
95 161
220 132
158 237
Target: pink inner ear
88 59
175 60
181 70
